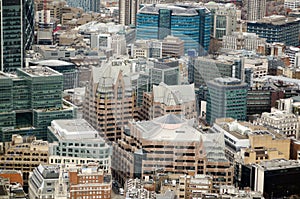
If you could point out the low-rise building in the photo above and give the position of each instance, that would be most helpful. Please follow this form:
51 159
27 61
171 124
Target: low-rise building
281 122
24 154
243 41
193 186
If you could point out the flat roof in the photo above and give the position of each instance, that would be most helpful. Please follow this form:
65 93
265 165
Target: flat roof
38 71
53 63
278 164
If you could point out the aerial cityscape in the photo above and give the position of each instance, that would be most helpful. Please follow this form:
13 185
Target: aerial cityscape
150 99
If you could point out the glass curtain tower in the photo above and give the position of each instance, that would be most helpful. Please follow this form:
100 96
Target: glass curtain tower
17 32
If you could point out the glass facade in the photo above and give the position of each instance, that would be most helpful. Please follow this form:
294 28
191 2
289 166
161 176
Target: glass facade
17 27
227 97
285 32
191 25
28 103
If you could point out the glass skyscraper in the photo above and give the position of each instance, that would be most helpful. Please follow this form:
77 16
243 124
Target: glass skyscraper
190 24
17 29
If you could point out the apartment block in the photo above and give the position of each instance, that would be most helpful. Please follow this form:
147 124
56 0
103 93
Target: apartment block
164 99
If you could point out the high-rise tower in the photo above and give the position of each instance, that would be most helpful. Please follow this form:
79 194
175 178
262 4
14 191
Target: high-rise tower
256 9
17 29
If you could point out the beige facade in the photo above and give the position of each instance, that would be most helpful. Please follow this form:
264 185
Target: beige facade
170 144
172 47
193 186
24 154
109 100
264 147
281 122
164 99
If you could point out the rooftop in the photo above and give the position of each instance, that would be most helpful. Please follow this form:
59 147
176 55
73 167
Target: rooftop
176 9
169 128
278 164
74 129
40 71
277 20
173 95
53 63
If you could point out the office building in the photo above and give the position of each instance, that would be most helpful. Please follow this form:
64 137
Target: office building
146 49
127 12
31 100
24 154
203 69
190 24
294 55
277 28
223 18
86 5
281 122
243 41
78 139
248 144
258 100
172 47
17 27
70 181
43 181
69 71
89 181
195 186
275 178
172 145
164 99
137 188
256 9
166 71
292 4
227 97
109 101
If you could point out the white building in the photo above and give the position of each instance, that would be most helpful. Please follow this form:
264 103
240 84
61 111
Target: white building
259 66
294 54
44 182
292 4
76 141
242 40
281 121
224 18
